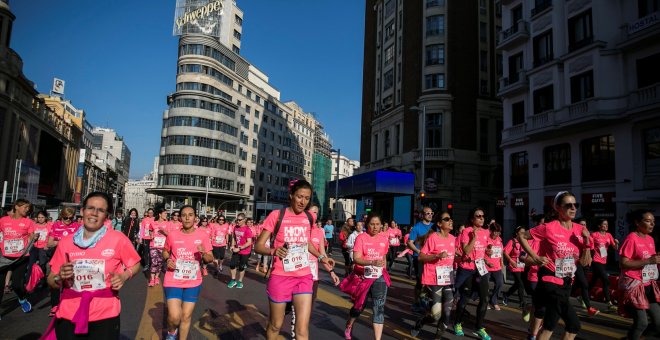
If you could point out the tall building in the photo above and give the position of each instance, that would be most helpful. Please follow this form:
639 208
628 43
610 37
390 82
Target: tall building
228 143
110 149
321 167
581 107
429 106
342 167
38 145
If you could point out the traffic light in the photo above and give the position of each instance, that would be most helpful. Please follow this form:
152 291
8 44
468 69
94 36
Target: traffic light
422 195
450 209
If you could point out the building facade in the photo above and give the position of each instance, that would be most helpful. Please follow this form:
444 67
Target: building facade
113 156
342 167
38 145
581 107
429 104
136 196
229 144
321 168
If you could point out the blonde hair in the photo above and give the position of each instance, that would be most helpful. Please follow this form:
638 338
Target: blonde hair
68 211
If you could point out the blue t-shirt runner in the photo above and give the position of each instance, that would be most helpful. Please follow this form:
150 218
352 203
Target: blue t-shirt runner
421 228
329 230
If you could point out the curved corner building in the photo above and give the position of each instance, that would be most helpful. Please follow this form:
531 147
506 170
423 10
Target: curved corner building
227 140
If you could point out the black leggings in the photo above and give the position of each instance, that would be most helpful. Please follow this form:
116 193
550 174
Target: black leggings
441 306
347 260
18 270
146 258
598 272
555 299
581 283
463 281
391 256
101 329
517 286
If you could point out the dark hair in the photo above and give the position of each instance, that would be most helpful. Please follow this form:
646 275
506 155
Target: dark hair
559 197
158 212
471 213
580 219
373 215
495 228
132 210
600 221
249 219
300 184
103 195
41 212
537 218
636 216
517 230
152 209
187 206
21 202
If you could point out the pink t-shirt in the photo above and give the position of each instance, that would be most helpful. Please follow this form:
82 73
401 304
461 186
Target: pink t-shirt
371 247
14 235
601 241
496 257
60 230
158 239
219 234
514 253
317 239
183 251
147 234
111 254
295 231
479 251
533 273
255 230
42 230
556 243
394 235
436 244
242 235
637 248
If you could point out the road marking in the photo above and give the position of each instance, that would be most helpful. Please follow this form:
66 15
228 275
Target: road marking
147 322
213 325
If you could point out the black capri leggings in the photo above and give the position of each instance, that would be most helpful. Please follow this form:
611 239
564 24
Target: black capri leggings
517 286
555 299
239 260
599 272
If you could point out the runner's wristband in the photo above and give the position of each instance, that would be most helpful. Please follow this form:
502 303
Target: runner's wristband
321 257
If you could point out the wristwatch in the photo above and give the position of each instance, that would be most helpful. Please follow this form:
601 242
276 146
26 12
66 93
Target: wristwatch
321 257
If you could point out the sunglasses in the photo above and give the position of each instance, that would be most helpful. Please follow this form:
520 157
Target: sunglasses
239 219
67 218
446 219
571 205
428 213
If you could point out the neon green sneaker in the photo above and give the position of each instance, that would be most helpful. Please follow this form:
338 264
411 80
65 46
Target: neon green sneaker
458 330
481 333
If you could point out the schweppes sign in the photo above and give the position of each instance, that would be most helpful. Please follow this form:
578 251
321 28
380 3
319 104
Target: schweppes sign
199 13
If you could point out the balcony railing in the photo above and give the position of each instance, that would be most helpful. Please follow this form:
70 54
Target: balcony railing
541 6
645 96
513 132
519 32
514 82
436 154
541 121
543 59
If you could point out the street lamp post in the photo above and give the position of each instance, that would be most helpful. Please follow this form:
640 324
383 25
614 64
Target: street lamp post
206 200
423 109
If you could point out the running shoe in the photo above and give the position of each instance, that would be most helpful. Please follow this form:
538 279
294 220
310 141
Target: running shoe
53 311
505 300
26 306
481 333
417 328
497 307
579 298
612 307
592 311
347 332
151 283
239 285
526 314
171 336
156 281
458 330
232 284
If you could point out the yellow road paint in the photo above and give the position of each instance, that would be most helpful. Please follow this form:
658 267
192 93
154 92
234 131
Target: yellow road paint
147 329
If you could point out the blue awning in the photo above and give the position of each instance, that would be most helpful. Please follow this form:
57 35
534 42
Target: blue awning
375 183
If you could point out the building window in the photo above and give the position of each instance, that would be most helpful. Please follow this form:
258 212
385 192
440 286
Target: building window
652 150
387 143
580 31
397 137
557 164
434 130
389 30
582 86
519 170
434 3
648 72
540 6
517 113
435 54
483 87
237 35
435 25
390 7
515 67
483 61
388 80
389 54
598 159
499 64
544 99
375 155
647 7
483 135
238 20
435 81
483 32
543 48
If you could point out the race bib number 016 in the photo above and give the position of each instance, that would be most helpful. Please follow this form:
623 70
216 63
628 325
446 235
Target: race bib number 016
565 267
444 275
88 274
296 258
649 273
186 269
373 272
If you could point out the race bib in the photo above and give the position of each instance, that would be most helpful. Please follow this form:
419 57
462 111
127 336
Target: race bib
603 252
186 269
220 239
373 272
481 267
314 267
296 258
649 273
88 274
497 252
394 241
520 263
13 247
42 235
159 241
444 275
565 267
147 233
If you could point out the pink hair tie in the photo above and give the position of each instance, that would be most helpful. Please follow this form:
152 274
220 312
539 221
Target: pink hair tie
292 183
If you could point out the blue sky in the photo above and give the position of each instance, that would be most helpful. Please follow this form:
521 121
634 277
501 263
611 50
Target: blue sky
118 59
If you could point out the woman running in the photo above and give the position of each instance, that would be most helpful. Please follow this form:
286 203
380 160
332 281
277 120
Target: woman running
145 238
497 262
241 248
602 242
512 254
346 231
394 235
219 235
291 278
638 285
184 250
438 255
159 229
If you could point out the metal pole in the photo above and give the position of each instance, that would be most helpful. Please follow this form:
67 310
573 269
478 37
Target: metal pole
206 200
337 183
423 146
4 194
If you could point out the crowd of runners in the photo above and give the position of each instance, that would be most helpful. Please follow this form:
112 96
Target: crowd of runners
85 262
